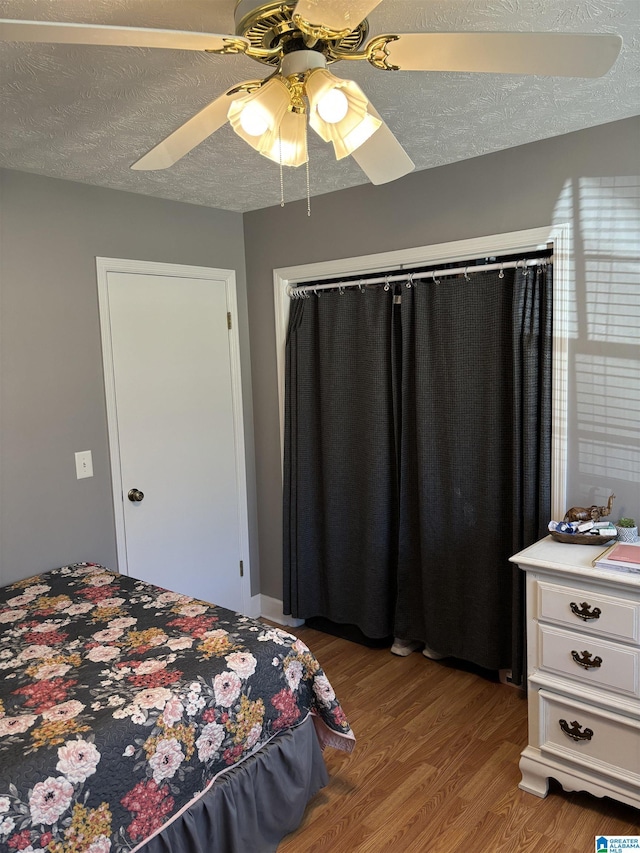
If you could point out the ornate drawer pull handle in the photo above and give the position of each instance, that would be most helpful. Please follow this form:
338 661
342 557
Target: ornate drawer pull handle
586 660
584 611
574 732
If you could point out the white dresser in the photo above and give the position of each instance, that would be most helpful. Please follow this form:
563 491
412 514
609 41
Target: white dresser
583 654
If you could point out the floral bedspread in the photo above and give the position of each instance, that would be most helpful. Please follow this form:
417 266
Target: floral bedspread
120 702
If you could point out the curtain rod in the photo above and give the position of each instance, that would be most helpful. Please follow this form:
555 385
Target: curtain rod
409 277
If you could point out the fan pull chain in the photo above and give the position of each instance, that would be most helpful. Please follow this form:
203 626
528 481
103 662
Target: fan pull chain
281 170
308 188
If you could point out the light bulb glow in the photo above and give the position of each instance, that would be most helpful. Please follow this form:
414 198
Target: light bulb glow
290 147
283 151
332 106
254 119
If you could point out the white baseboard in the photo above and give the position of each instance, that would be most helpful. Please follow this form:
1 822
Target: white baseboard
254 607
271 608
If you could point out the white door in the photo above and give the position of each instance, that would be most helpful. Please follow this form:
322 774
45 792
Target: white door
173 400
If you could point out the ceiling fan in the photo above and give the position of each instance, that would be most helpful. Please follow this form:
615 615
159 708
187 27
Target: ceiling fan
299 40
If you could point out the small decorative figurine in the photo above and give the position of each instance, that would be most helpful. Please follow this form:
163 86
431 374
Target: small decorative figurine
591 513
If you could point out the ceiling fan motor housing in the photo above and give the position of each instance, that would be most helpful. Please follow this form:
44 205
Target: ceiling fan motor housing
270 28
301 61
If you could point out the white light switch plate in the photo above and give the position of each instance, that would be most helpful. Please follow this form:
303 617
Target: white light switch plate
84 464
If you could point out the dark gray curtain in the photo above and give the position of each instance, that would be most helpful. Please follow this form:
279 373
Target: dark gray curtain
532 363
475 450
417 459
340 477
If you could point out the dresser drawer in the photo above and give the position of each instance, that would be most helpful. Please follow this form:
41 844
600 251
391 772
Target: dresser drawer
589 660
590 611
605 742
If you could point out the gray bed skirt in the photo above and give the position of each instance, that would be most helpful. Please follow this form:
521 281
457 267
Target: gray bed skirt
252 807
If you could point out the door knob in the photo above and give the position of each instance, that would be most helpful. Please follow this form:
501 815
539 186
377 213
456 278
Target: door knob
135 495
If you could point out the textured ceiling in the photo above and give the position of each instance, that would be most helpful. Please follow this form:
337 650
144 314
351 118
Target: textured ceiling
86 113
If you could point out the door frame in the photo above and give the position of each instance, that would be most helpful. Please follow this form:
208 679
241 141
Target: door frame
557 237
104 266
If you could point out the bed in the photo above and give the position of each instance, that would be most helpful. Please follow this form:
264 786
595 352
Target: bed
134 718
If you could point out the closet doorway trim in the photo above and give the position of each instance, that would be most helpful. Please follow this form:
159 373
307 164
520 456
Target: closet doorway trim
534 239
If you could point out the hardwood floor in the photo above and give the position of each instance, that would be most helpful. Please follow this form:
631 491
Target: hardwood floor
435 767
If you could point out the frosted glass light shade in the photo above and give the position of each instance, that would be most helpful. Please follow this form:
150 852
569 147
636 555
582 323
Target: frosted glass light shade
353 140
256 117
290 146
355 126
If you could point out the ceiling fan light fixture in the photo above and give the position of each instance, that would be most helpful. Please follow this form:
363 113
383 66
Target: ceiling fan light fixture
290 146
256 117
328 96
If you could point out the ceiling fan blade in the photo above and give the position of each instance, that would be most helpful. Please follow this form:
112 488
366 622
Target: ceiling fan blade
190 134
381 157
546 54
62 33
338 16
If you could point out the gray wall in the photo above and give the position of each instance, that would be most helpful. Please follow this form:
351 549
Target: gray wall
589 178
51 385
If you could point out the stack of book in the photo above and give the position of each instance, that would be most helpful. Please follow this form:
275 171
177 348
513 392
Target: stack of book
620 557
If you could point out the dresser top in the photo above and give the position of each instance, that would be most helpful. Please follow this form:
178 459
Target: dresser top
554 556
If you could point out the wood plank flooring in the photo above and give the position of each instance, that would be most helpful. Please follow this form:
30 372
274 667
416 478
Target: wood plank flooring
435 767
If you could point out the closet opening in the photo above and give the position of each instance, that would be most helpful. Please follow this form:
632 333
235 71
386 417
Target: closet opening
413 439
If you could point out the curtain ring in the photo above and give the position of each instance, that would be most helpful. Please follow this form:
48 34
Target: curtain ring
409 283
341 289
387 286
466 274
435 280
501 273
